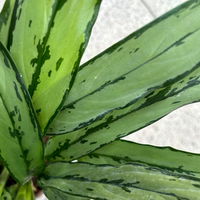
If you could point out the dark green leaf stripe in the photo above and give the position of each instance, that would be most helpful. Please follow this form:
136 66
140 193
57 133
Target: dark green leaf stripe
76 144
126 181
53 193
166 81
5 20
21 147
124 152
98 191
133 68
47 47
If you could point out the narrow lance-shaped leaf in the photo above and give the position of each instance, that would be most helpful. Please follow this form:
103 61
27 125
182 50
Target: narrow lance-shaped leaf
125 181
47 47
132 84
3 179
21 147
168 159
5 20
53 193
124 73
125 152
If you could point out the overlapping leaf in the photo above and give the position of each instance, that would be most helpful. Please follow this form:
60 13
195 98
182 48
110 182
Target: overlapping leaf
124 181
47 39
5 20
25 192
124 152
146 171
146 61
132 84
53 193
21 147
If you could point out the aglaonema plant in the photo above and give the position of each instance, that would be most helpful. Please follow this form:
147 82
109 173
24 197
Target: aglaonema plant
61 124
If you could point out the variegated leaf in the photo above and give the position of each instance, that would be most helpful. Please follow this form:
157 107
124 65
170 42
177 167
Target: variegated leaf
53 194
21 146
46 39
126 181
124 152
5 20
131 85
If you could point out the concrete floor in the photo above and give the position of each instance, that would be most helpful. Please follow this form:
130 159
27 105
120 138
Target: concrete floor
117 19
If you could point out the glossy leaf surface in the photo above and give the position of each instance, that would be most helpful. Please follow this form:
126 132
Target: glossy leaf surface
131 85
21 147
5 20
147 65
124 152
47 40
126 181
53 193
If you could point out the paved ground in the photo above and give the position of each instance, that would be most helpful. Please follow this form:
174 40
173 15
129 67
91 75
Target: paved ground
117 19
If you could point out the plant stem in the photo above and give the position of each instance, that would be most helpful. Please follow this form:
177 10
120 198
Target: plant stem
3 179
6 195
25 192
13 190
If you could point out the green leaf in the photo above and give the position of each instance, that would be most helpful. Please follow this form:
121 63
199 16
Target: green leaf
3 179
53 194
21 146
126 181
13 189
6 195
5 20
124 152
131 85
25 192
48 46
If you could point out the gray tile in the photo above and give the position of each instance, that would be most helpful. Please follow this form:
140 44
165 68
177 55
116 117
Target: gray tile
1 4
179 129
159 7
116 20
148 7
